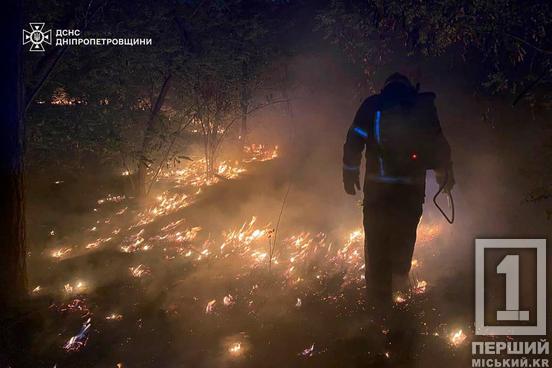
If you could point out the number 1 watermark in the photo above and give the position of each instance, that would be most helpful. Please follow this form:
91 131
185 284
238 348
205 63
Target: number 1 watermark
509 266
506 306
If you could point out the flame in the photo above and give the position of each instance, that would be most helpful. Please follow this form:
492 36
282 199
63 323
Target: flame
76 288
228 300
235 348
259 152
180 177
114 317
399 298
210 306
139 271
61 252
300 260
420 287
111 198
78 341
308 352
457 338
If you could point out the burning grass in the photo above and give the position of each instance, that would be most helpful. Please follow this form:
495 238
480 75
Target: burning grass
192 280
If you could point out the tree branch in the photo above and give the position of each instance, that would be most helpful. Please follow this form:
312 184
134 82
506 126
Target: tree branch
527 43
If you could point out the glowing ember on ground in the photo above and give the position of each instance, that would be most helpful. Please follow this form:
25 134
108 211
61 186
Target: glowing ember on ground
139 271
193 174
355 236
259 152
399 298
133 242
210 306
305 263
230 171
114 317
235 348
75 305
167 203
308 352
420 287
245 235
78 341
228 300
97 243
456 338
59 253
77 287
112 199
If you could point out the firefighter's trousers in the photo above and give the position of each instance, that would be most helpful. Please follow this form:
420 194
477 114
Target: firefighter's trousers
390 225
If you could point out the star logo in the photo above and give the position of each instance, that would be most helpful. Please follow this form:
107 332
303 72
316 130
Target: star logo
37 36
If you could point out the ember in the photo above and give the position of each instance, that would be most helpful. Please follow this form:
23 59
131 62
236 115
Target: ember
61 252
308 352
78 341
140 271
457 338
210 306
235 348
76 288
114 317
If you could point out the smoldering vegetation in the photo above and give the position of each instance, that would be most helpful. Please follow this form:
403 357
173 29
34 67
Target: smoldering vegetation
263 265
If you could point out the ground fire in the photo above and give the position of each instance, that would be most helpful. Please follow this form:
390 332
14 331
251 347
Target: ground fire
263 183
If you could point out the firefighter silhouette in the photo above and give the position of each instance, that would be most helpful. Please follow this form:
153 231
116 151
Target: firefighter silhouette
399 130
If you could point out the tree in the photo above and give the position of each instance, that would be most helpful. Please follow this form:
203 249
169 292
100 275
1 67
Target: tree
12 220
508 39
235 44
207 59
123 90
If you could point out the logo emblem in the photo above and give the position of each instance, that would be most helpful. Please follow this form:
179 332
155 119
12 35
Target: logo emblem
36 37
511 317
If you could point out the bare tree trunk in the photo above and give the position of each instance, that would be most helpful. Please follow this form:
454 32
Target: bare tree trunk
208 147
12 220
245 96
141 181
243 125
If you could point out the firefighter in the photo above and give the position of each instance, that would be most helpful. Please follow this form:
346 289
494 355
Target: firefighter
399 130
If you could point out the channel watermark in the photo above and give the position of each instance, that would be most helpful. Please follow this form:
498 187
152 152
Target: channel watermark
510 303
37 36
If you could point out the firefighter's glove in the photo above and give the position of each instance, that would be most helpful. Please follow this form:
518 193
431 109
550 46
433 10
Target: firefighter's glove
351 180
445 179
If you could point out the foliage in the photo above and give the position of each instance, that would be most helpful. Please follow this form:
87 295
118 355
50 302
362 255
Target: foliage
509 39
201 46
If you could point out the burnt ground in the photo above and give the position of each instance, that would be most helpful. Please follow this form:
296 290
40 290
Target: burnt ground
228 308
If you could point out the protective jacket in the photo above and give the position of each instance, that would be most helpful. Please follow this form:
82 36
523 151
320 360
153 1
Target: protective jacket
396 164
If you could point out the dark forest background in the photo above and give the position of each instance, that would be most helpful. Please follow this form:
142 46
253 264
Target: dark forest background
86 114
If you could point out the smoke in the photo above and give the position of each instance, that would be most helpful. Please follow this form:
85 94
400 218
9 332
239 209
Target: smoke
299 192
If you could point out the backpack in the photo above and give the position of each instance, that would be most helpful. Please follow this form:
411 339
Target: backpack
405 138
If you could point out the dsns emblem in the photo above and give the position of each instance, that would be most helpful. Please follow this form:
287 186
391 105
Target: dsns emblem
36 37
